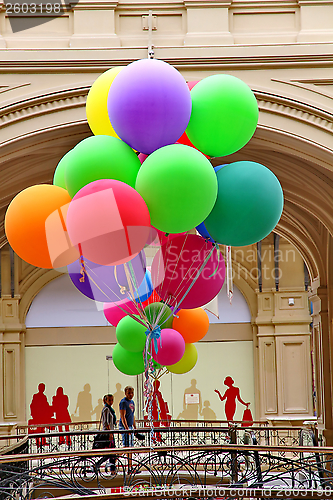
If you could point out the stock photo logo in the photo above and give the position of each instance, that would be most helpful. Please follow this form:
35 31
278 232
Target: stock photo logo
23 15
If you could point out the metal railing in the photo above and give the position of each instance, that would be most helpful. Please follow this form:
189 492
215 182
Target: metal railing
181 471
80 437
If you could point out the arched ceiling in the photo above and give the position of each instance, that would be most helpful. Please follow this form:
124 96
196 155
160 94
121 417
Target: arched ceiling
303 168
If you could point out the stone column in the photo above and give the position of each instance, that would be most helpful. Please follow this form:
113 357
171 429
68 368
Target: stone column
285 377
12 369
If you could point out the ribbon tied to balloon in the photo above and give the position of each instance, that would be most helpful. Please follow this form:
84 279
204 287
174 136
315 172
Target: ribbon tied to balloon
153 335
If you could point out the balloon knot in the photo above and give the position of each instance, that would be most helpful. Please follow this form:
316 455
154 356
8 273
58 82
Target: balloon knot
154 335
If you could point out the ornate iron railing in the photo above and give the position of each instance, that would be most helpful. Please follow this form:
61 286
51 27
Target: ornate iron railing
228 471
173 436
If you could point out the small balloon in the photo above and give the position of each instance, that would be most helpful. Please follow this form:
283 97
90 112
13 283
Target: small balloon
131 334
187 362
193 324
171 347
160 314
130 363
115 311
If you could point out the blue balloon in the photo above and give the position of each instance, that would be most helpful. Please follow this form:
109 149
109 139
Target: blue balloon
145 289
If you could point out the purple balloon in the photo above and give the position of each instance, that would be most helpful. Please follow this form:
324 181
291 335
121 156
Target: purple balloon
105 283
149 105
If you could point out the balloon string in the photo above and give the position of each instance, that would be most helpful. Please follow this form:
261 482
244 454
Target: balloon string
193 267
195 279
218 260
230 286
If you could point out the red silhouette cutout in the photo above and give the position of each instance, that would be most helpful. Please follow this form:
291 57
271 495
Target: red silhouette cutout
60 403
160 410
231 395
41 413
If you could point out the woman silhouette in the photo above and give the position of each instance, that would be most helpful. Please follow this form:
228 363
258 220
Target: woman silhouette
231 395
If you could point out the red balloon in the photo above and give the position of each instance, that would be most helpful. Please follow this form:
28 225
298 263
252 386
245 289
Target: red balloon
176 266
108 221
184 139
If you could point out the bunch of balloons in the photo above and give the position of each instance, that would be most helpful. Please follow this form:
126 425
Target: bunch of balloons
144 179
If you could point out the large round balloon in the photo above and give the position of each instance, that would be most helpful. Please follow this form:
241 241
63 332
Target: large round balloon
159 314
149 105
224 115
107 283
130 363
181 276
108 221
131 334
193 324
248 206
35 227
179 186
59 177
100 157
187 362
115 311
97 104
171 347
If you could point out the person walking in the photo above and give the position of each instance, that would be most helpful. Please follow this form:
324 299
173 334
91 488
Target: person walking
108 423
127 420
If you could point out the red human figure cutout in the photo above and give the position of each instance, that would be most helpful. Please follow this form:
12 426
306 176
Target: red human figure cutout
231 394
60 403
160 409
41 412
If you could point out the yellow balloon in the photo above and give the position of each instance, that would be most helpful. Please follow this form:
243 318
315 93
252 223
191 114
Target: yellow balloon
96 105
187 362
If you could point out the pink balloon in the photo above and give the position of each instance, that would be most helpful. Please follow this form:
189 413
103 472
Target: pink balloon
114 314
171 347
108 221
176 265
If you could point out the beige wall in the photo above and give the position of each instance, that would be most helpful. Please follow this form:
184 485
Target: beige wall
71 367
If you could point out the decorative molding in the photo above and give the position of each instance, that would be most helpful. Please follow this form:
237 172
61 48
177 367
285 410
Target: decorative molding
42 105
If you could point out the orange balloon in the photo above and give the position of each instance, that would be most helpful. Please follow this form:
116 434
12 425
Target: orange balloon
35 226
192 324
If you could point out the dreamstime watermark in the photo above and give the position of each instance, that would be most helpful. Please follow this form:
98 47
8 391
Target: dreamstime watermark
23 14
228 492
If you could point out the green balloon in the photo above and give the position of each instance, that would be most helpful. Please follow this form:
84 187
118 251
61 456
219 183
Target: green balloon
249 204
179 187
59 174
224 115
101 157
130 363
131 334
154 315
